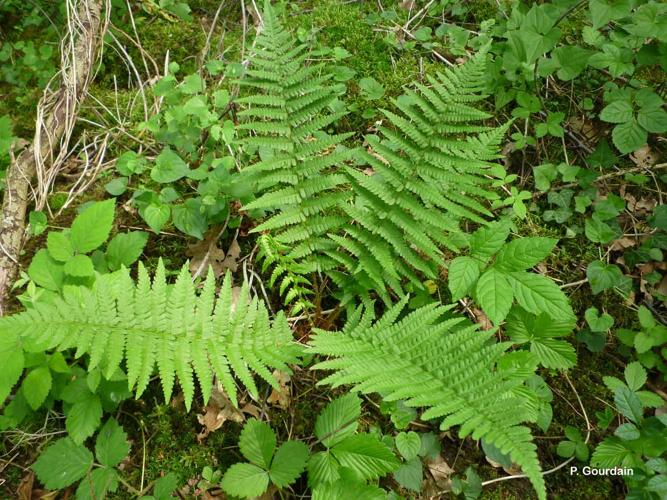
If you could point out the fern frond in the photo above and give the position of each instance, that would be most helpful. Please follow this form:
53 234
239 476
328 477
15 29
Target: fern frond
152 323
433 360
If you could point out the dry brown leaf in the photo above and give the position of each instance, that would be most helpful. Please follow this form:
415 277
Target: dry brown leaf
662 286
482 319
440 471
218 411
206 253
280 397
24 491
623 243
232 257
644 157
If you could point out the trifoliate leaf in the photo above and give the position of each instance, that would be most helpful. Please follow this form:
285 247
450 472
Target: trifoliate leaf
245 480
258 442
338 420
289 463
111 445
62 464
92 227
537 294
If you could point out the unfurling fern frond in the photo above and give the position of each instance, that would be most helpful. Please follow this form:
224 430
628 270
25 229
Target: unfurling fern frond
434 360
431 167
286 120
152 323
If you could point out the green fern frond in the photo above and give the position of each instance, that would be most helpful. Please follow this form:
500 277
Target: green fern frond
432 167
433 360
151 323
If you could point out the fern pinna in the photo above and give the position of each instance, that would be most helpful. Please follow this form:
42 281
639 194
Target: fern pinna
431 359
285 120
156 323
431 167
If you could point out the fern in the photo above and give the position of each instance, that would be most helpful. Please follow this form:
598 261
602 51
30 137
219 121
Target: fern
285 119
171 326
431 167
430 359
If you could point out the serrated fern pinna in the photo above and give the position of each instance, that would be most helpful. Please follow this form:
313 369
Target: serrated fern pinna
153 323
433 360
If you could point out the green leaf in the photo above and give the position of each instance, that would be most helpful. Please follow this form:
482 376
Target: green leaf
523 253
289 463
371 89
494 295
125 248
156 215
544 175
628 404
368 457
598 231
169 167
189 219
635 375
463 274
653 120
486 241
130 163
38 222
410 475
322 468
92 227
97 484
111 446
609 453
258 442
84 418
603 276
619 111
603 11
538 294
63 463
165 486
646 319
59 246
338 420
348 489
629 136
36 386
596 322
572 60
408 444
627 432
80 266
245 480
565 449
12 361
117 186
46 272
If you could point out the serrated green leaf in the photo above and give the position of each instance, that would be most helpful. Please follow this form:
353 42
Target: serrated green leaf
111 445
156 215
322 468
629 136
338 420
12 361
63 463
654 120
619 111
494 295
245 480
486 241
36 386
97 484
80 266
289 463
59 247
538 294
463 273
258 442
83 418
169 167
410 475
611 452
124 249
92 227
46 272
523 253
368 457
597 322
628 404
627 432
635 375
603 276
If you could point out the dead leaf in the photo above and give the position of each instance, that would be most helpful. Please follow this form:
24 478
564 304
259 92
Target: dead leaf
232 257
623 243
644 157
24 491
662 287
206 253
440 471
280 397
482 319
218 411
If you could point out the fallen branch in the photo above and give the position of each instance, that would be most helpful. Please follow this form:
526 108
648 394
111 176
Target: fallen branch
56 114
